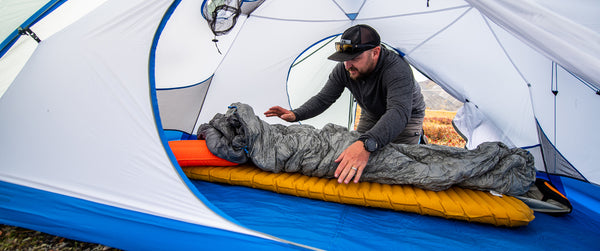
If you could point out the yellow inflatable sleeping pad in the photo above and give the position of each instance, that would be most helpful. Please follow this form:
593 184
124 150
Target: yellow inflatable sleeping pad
454 203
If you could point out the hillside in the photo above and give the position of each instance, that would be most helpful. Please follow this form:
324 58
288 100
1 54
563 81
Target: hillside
438 99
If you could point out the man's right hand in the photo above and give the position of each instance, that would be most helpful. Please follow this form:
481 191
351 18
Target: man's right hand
282 113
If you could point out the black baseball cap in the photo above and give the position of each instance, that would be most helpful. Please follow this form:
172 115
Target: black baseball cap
355 40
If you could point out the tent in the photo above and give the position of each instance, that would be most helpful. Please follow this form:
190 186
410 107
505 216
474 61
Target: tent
92 91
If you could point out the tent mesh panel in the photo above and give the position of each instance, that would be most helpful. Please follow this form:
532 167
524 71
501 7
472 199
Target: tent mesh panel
180 107
221 15
554 161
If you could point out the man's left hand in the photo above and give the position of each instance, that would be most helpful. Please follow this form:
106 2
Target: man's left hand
352 161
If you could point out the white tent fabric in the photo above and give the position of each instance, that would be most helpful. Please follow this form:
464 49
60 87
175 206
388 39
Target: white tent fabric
186 54
500 85
98 74
79 109
252 81
15 58
545 30
301 86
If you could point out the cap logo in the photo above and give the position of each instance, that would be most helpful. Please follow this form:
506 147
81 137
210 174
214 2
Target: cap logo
345 41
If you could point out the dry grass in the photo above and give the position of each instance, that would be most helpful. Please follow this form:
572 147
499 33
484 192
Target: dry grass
16 238
437 126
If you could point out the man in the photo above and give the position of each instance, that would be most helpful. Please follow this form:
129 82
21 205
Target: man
383 85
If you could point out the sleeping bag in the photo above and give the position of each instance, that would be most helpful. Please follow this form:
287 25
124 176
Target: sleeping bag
240 136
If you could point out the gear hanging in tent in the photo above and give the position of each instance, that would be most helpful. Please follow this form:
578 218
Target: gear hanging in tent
221 16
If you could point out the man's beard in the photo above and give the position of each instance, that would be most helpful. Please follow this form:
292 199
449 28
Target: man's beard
354 73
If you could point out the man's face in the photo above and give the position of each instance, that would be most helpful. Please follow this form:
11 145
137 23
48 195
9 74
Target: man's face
363 64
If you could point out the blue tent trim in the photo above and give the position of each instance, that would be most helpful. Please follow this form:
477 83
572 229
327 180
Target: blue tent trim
78 219
351 16
171 135
296 61
164 136
587 195
188 86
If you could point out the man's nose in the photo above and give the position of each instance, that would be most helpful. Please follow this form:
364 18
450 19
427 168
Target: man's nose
348 64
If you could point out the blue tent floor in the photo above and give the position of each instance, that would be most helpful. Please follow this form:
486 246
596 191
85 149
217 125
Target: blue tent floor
333 226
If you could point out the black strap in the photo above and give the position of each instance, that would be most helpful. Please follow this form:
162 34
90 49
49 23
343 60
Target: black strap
29 32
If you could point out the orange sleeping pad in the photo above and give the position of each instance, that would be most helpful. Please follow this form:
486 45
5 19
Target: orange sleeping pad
196 153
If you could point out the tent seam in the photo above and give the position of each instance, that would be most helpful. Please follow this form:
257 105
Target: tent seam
417 13
440 31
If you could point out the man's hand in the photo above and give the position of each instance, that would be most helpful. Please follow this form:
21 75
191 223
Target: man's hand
352 161
282 113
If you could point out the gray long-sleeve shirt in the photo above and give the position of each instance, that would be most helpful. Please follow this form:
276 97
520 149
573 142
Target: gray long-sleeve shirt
389 95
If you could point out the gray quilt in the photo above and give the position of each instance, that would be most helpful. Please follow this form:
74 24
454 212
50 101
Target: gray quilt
241 136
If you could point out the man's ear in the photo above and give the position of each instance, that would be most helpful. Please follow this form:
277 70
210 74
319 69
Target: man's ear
377 51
